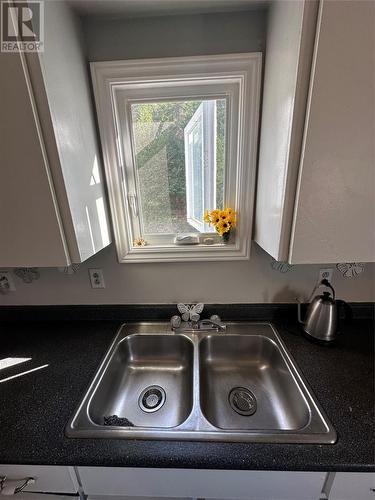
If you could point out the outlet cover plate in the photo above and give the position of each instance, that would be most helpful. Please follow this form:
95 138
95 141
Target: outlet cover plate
7 282
326 274
96 278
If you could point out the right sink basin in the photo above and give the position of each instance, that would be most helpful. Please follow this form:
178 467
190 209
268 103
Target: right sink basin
247 385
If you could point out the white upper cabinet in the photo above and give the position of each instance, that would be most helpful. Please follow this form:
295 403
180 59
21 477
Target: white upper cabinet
315 200
53 208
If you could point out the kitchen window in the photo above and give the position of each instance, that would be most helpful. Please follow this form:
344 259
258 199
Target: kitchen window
179 138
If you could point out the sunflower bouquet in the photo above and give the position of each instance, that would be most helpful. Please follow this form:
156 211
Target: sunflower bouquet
222 220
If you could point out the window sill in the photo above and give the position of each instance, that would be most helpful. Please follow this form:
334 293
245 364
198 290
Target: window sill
185 253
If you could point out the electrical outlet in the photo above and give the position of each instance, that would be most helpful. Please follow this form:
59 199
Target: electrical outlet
96 278
326 274
6 282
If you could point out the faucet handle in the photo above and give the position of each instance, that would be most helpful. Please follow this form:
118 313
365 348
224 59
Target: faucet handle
175 322
215 318
195 317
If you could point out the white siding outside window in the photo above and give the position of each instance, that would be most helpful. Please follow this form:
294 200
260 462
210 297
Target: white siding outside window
200 161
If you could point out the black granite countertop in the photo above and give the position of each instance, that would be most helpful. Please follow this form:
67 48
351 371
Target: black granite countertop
35 407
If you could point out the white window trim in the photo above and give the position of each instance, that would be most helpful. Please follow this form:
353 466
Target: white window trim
241 72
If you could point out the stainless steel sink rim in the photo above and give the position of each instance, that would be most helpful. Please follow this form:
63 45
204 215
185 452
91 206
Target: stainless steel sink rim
196 426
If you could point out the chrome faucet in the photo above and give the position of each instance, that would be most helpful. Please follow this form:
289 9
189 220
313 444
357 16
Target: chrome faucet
190 319
213 323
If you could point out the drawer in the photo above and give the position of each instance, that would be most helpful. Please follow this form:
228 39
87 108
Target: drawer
100 482
349 485
45 496
48 478
106 497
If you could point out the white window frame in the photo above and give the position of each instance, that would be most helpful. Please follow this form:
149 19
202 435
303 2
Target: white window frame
235 77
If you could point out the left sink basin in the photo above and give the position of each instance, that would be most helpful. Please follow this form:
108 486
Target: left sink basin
148 380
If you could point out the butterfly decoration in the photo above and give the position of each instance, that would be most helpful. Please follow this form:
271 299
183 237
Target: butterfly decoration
190 311
282 267
351 269
27 274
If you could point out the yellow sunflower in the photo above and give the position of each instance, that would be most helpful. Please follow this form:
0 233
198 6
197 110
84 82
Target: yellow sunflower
207 217
231 219
230 211
222 227
215 217
222 220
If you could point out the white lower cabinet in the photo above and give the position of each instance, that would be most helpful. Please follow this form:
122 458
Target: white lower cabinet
48 480
352 486
45 496
106 497
128 483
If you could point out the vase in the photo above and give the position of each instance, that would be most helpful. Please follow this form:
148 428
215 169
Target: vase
225 237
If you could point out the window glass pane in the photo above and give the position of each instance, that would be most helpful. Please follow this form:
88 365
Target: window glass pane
159 134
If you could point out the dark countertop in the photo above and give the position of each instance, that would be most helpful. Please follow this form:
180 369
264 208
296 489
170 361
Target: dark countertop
35 408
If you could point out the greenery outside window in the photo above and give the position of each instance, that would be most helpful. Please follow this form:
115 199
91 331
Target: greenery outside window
178 137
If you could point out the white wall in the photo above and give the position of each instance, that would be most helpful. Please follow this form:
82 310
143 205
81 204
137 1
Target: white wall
212 282
225 33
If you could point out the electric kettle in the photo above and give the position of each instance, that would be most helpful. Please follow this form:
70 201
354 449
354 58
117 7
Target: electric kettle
322 316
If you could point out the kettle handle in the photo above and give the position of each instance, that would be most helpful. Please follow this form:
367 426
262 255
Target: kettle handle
326 283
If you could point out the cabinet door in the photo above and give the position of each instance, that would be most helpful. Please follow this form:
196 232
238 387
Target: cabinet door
100 482
46 496
29 218
290 43
52 203
77 170
334 212
105 497
353 486
47 478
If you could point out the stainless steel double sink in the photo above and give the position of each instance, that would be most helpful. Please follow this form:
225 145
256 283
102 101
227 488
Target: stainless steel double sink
241 385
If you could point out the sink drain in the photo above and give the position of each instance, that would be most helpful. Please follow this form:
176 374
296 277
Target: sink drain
152 398
242 401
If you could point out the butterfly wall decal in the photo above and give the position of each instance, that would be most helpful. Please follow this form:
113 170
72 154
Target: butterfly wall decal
190 311
351 269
